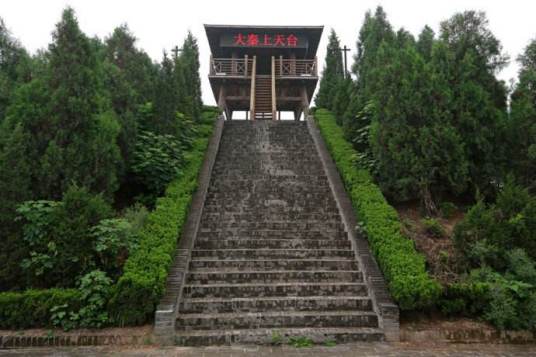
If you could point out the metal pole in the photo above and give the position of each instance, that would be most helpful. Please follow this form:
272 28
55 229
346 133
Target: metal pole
345 49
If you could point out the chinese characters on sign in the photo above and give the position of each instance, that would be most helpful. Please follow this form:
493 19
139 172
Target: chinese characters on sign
254 40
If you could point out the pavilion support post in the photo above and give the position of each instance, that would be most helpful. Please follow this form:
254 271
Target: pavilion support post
305 102
252 91
222 103
274 98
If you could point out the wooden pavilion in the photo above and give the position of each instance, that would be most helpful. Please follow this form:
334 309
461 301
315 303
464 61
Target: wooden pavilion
263 70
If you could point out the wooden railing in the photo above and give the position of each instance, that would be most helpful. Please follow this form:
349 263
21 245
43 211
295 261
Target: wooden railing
231 66
296 68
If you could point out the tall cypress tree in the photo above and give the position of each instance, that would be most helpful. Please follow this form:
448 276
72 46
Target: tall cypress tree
426 42
66 113
14 66
418 152
375 30
469 58
332 73
522 124
189 60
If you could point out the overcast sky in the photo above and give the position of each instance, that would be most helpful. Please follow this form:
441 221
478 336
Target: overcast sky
161 24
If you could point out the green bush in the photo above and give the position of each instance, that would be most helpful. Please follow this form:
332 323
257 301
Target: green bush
404 268
433 227
157 160
142 284
447 209
489 231
58 237
33 308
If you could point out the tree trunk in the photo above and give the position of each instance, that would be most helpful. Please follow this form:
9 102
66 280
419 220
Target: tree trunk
428 203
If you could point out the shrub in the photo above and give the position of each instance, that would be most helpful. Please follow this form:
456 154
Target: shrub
33 308
404 269
488 232
58 237
157 160
94 289
433 227
142 284
447 209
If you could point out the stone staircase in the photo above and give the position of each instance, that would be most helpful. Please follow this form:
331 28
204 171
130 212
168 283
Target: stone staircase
271 259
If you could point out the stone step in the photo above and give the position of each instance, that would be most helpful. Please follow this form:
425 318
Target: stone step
287 226
284 303
276 319
232 254
280 335
271 233
295 216
275 289
282 276
262 235
274 264
214 243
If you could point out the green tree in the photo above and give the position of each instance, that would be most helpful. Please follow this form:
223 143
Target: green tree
14 66
469 58
418 153
375 30
332 73
67 115
192 81
522 124
425 42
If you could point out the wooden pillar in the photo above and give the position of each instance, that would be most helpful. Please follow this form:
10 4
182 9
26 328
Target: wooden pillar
222 104
233 63
252 91
245 65
305 102
292 63
274 98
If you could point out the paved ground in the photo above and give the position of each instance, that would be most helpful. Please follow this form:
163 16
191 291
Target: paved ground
373 349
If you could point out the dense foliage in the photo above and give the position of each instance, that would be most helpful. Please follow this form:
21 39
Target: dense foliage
91 133
438 111
430 121
404 268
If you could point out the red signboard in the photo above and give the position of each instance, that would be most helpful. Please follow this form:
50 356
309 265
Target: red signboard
265 40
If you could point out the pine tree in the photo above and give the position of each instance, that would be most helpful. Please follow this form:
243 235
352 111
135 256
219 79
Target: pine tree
14 66
189 59
66 113
468 58
522 124
418 153
332 73
426 42
375 30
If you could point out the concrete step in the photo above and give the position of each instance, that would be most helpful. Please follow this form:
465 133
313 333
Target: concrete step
283 303
276 319
232 254
274 225
214 243
270 233
274 276
267 235
275 289
274 264
279 335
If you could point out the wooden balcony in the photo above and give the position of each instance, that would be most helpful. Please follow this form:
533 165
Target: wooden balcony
296 68
231 67
283 68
